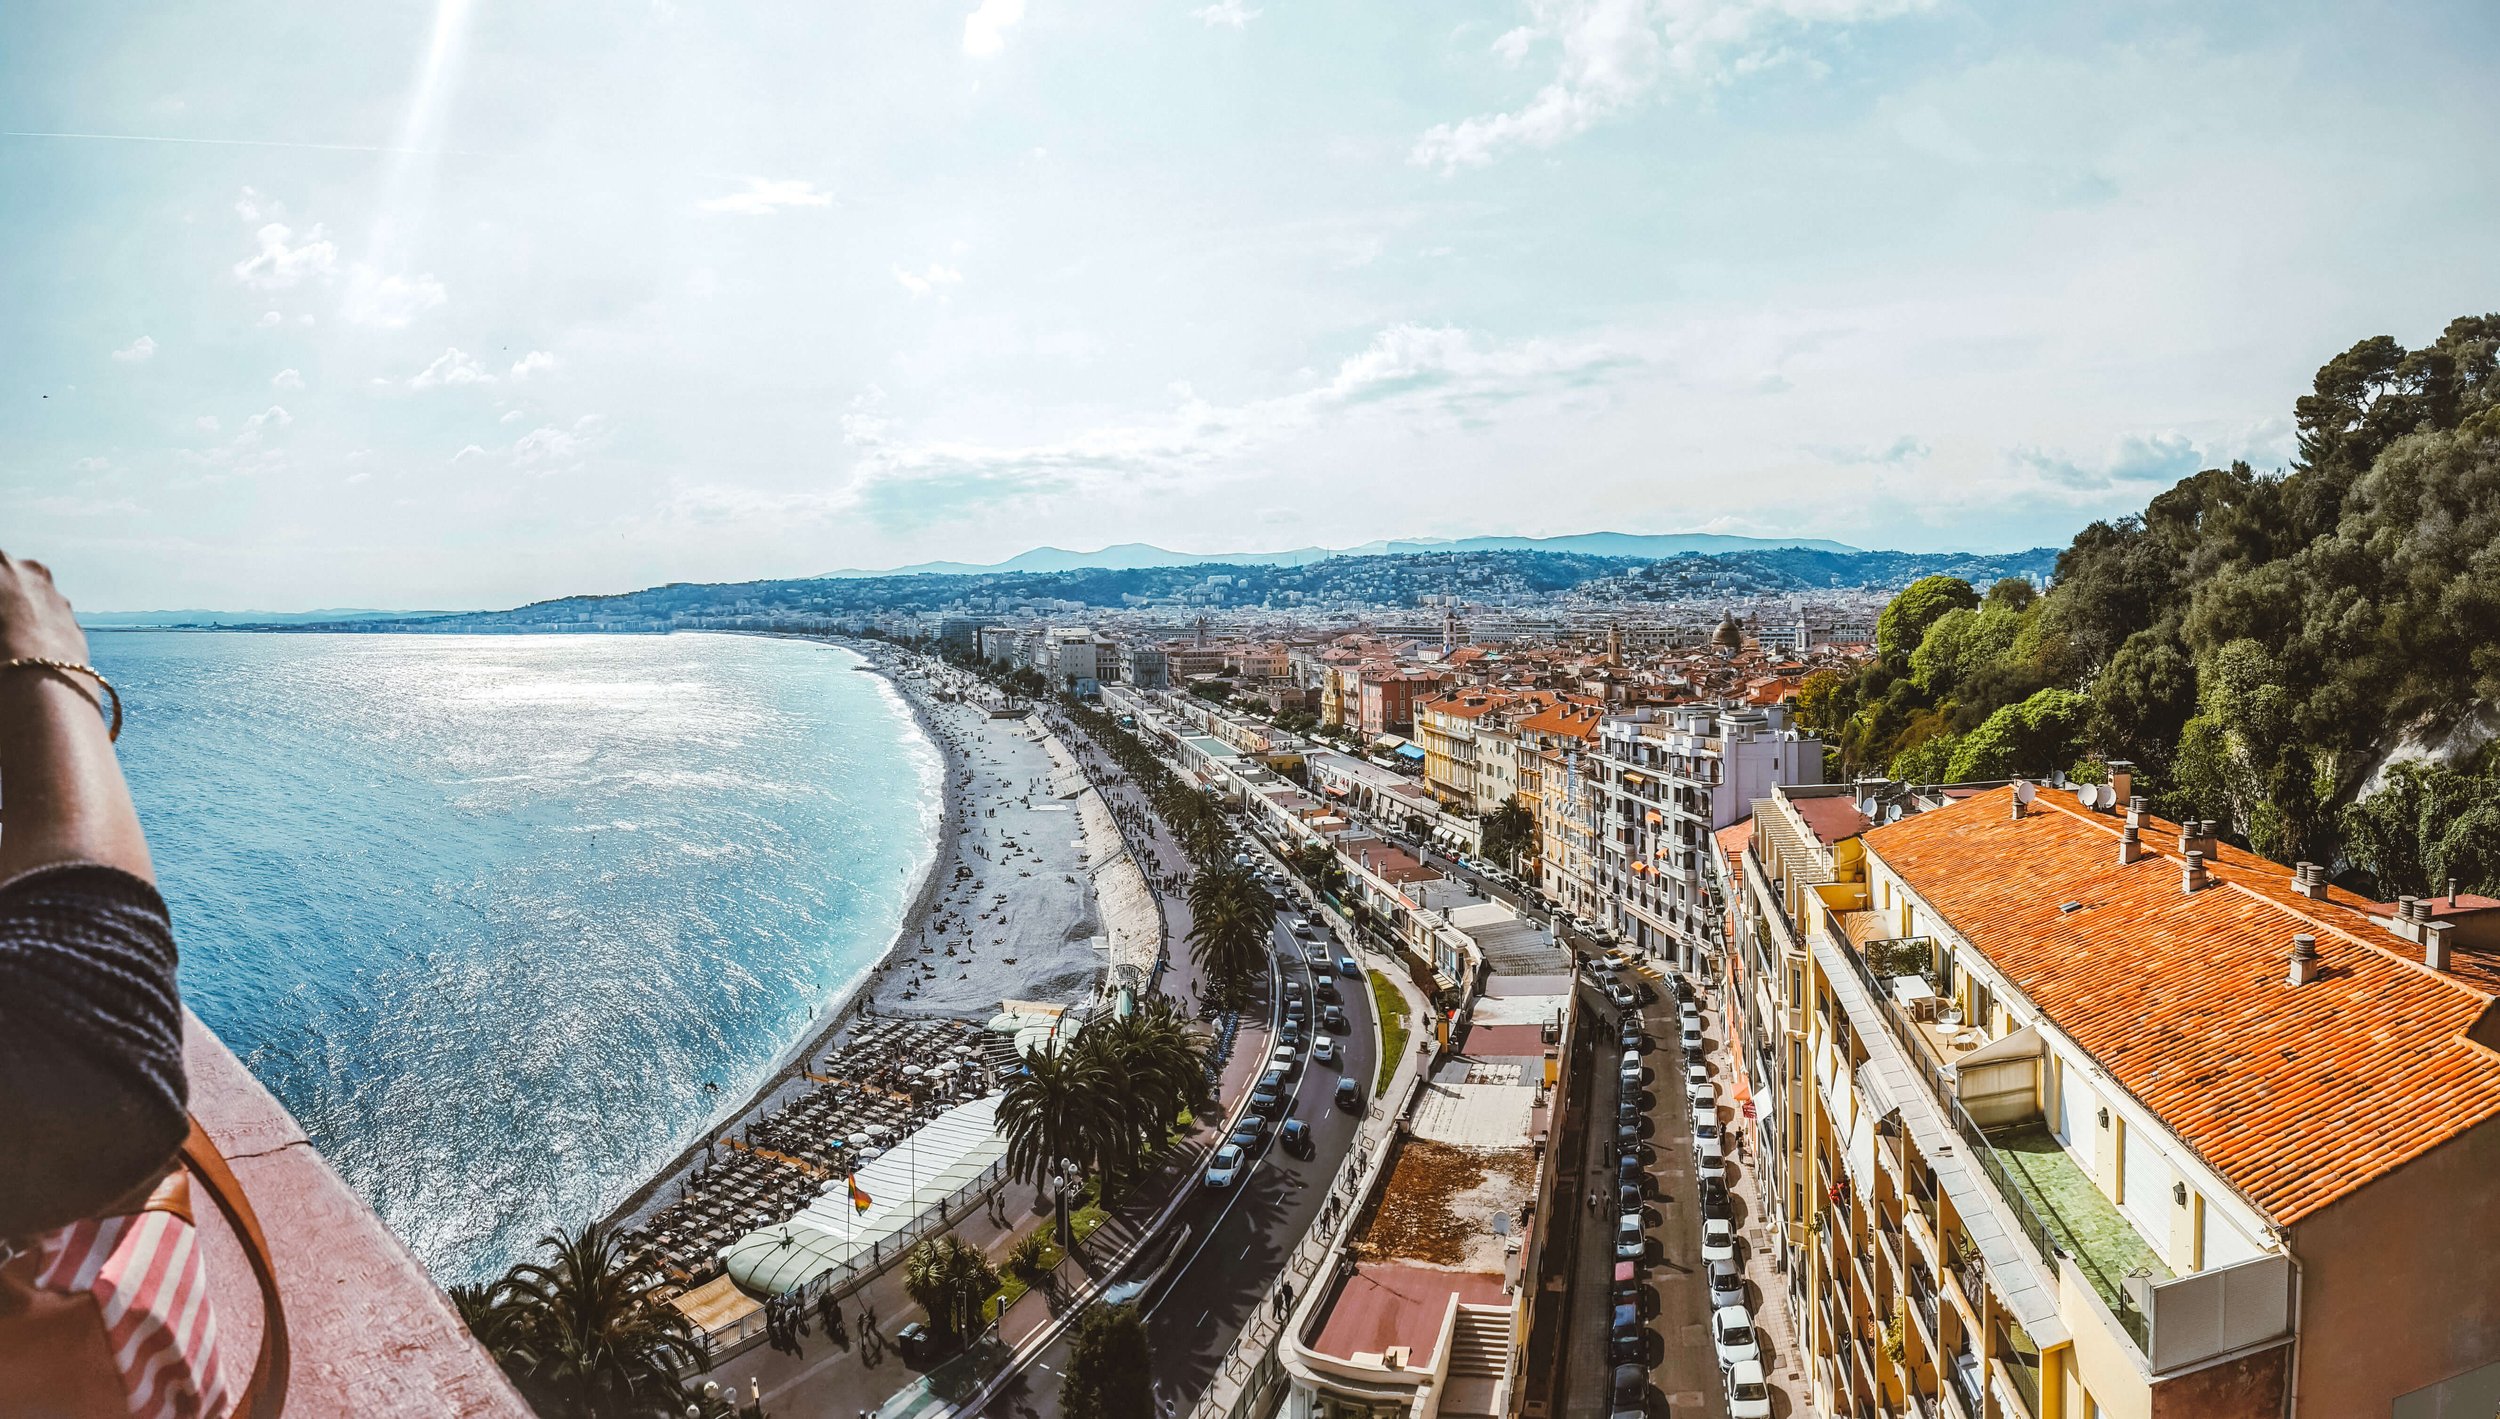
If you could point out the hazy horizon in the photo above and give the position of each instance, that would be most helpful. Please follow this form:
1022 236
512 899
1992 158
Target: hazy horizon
446 305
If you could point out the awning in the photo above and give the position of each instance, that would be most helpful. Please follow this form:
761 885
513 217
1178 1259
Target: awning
2022 1044
1861 1155
1631 777
1409 751
831 1236
719 1311
1335 789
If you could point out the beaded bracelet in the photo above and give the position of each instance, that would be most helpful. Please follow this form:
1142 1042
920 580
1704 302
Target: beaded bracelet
71 667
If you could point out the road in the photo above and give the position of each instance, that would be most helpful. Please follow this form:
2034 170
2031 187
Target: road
1239 1239
1675 1306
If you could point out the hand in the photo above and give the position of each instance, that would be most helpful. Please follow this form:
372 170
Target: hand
35 619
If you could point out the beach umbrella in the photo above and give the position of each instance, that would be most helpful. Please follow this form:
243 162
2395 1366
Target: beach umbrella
860 1140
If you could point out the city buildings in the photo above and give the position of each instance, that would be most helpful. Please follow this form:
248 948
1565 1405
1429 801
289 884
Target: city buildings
2086 1113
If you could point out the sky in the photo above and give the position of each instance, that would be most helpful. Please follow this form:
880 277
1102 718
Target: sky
463 303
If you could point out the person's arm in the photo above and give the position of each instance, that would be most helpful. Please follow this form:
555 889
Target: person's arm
62 799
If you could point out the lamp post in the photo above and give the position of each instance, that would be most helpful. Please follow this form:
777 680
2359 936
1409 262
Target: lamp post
1063 1182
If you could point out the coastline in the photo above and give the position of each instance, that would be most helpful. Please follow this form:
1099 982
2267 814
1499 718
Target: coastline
842 1010
961 860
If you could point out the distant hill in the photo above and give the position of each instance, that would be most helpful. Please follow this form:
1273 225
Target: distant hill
1134 556
166 620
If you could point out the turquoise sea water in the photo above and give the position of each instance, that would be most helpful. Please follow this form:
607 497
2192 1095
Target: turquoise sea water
488 913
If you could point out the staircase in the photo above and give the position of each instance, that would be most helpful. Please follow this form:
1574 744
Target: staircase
1479 1374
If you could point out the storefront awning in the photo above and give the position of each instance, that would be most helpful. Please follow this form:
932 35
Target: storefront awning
1409 751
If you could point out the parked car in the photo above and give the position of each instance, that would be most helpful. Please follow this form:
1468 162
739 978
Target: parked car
1718 1240
1706 1127
1295 1138
1628 1104
1731 1331
1695 1074
1627 1135
1702 1097
1692 1038
1748 1394
1326 1052
1630 1036
1713 1195
1627 1282
1624 1335
1224 1169
1727 1284
1629 1242
1628 1169
1349 1094
1708 1161
1631 1068
1631 1393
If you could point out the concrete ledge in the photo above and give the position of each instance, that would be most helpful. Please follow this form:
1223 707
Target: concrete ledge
371 1334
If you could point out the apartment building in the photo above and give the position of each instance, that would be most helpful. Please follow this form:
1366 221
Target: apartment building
1664 782
2103 1117
1562 742
1389 696
1446 730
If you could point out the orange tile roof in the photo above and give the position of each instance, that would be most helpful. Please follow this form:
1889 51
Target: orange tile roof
2295 1094
1574 718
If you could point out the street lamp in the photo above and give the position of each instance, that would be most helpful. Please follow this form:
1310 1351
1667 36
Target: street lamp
1064 1182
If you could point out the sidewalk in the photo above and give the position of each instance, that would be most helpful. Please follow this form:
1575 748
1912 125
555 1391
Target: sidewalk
1783 1358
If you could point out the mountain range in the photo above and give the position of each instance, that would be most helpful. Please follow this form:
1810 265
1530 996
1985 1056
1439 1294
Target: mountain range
1131 556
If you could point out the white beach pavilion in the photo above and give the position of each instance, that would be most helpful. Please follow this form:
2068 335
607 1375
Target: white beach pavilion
904 1183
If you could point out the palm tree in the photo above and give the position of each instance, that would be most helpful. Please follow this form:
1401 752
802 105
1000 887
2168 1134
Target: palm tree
1230 918
1161 1062
950 1278
586 1339
1056 1109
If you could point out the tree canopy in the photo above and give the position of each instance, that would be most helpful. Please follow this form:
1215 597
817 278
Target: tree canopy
2261 645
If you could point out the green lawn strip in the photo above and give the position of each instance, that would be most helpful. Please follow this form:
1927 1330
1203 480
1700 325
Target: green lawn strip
1392 1009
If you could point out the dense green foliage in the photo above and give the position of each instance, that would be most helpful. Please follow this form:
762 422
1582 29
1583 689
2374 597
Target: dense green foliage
1110 1372
581 1334
2259 645
949 1278
1230 918
1509 831
1106 1099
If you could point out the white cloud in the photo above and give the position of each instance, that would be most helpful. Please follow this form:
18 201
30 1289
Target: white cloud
248 450
390 302
286 379
535 362
765 196
449 368
1612 53
923 282
511 416
1230 13
136 351
552 449
283 261
96 463
1417 376
985 29
206 423
269 318
469 451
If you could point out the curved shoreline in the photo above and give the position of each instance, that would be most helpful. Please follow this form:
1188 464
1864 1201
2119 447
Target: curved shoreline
845 1004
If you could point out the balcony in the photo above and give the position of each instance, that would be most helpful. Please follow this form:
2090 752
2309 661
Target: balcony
2083 1223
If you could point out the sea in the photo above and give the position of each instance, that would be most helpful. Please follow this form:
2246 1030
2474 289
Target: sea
508 920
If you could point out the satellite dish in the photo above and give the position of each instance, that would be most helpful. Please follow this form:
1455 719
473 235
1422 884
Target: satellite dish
2086 795
2024 792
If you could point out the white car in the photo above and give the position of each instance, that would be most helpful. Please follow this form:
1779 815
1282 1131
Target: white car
1731 1330
1706 1128
1718 1240
1748 1396
1224 1169
1701 1096
1629 1243
1708 1161
1631 1067
1692 1037
1325 1049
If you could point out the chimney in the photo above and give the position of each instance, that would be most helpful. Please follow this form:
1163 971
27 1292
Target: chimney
2192 875
2435 944
2130 846
2409 911
2122 783
2309 879
2452 894
2304 960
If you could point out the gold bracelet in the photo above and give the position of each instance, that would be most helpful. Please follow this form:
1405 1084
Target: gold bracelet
71 667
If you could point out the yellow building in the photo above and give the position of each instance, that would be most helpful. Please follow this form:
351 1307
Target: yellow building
2104 1117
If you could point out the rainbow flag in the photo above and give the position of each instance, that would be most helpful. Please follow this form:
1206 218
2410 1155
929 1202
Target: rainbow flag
859 1196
